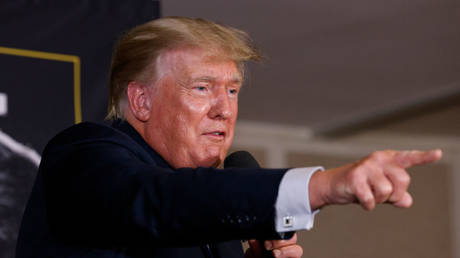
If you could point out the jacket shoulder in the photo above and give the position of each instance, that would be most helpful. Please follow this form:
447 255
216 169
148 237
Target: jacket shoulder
93 135
88 131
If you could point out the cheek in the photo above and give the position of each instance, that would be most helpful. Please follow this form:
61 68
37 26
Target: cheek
231 122
182 110
193 112
194 106
235 112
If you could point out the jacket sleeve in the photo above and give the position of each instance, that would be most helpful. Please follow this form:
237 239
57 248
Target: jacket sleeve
101 191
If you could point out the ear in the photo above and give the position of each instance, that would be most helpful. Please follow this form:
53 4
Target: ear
139 100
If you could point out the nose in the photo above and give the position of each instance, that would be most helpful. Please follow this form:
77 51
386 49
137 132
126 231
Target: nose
221 105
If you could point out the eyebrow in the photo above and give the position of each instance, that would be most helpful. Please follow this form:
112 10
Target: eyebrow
213 79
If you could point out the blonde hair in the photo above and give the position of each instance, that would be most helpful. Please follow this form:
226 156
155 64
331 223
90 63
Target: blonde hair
137 50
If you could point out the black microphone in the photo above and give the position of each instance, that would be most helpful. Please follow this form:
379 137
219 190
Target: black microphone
241 159
244 159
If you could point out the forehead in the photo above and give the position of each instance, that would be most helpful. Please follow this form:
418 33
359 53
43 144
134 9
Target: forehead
194 62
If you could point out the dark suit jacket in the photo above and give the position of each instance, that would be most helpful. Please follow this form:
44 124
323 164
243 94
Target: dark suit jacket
103 192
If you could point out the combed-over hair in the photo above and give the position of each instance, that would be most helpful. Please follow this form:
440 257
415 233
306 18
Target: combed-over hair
137 50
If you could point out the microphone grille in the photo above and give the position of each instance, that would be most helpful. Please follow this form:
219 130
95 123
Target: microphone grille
241 159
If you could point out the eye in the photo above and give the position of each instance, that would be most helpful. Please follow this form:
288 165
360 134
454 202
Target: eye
201 88
233 91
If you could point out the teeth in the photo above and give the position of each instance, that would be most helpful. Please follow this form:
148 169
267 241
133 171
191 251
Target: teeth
216 133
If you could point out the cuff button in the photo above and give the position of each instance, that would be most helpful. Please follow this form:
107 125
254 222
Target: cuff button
288 221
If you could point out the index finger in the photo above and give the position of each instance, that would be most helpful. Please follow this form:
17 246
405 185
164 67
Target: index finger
407 159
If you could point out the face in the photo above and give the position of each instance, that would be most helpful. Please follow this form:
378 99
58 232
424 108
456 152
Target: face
194 105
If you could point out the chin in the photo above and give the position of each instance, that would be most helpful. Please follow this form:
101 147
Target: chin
208 160
212 156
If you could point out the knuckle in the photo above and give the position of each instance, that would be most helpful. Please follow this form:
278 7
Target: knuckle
356 186
363 196
383 193
357 173
369 165
404 179
378 155
386 189
366 165
383 156
400 178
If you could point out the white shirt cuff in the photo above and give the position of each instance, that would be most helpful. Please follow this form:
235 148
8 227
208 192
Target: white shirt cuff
293 211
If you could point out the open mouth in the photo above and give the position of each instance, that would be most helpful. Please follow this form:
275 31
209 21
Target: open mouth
216 134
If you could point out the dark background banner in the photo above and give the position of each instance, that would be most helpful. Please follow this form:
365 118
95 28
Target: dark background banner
54 62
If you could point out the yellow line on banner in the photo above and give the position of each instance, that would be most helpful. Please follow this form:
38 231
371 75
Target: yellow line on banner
56 57
76 89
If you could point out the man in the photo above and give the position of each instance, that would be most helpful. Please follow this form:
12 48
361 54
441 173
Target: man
148 186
